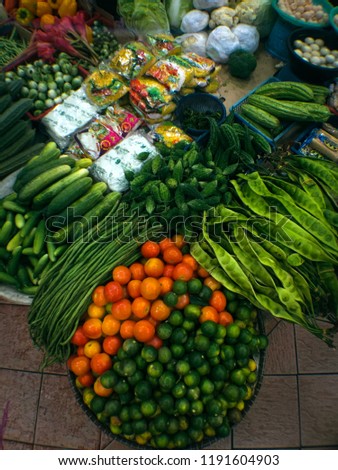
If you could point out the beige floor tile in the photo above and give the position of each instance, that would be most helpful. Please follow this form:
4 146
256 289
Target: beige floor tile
14 445
116 445
314 356
273 420
318 396
222 444
281 352
15 332
61 422
21 391
270 322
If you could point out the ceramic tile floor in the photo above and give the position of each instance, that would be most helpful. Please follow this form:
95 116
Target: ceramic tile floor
296 407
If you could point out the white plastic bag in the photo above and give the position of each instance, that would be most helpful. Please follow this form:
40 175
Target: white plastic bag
193 42
194 21
248 37
221 43
209 4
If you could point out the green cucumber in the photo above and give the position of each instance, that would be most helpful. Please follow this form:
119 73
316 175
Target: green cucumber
68 195
6 278
6 232
25 140
14 113
39 237
5 102
13 263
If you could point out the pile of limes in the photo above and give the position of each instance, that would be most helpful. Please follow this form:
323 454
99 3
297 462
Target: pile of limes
174 363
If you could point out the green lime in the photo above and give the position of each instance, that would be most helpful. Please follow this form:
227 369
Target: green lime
170 299
263 341
229 364
238 377
252 378
133 379
206 386
121 354
213 350
167 380
205 293
143 390
131 347
149 353
112 407
209 328
232 306
234 416
204 368
219 372
245 336
177 350
233 331
182 367
140 362
128 367
181 440
196 407
173 425
197 422
183 422
189 325
223 430
180 287
220 333
126 397
127 429
182 406
189 345
230 296
122 387
195 286
114 429
176 318
201 343
254 344
166 403
192 312
164 330
135 411
155 369
227 352
109 378
192 378
215 421
97 404
161 422
161 441
243 313
124 414
164 355
242 351
148 408
179 390
214 407
179 336
193 393
140 426
231 393
196 359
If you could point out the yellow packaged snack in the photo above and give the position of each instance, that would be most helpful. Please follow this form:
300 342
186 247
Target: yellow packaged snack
104 87
132 60
170 135
202 65
163 44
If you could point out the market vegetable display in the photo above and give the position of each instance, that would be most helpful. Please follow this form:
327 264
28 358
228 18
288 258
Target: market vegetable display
45 84
166 365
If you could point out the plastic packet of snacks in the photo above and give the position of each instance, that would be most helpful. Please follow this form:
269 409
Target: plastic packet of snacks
111 167
104 87
105 131
163 44
132 60
169 134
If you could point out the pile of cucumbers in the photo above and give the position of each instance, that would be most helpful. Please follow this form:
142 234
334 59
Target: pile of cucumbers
17 135
54 200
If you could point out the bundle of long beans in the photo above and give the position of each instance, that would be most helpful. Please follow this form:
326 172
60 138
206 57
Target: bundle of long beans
66 289
10 47
277 243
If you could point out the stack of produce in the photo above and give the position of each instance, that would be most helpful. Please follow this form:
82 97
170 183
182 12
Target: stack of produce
17 136
277 103
38 209
10 47
44 12
47 84
166 365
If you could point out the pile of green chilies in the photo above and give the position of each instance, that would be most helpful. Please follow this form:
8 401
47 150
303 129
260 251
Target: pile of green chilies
277 243
66 290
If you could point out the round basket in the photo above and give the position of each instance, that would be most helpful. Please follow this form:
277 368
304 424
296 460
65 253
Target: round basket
305 70
333 13
260 360
291 19
205 103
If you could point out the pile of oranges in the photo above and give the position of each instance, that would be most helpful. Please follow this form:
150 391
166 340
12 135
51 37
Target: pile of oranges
136 301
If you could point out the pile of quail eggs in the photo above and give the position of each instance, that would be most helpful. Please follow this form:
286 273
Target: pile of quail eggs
316 52
304 10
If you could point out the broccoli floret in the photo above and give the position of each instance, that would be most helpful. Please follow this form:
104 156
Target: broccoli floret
241 63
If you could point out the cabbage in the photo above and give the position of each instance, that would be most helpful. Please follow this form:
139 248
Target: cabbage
144 16
176 9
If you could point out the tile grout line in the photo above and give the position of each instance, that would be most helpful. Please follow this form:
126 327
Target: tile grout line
37 409
298 391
